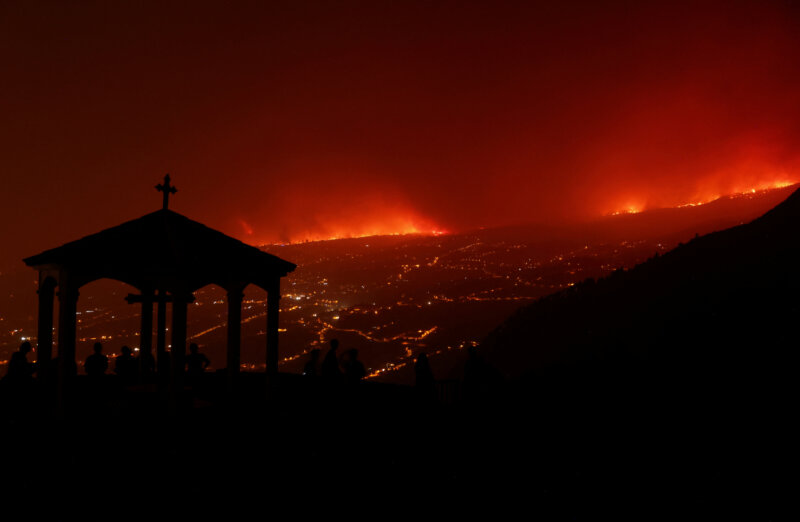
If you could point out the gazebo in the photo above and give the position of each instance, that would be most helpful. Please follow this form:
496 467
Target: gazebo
166 257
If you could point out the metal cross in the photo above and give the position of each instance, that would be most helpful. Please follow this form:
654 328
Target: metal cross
167 190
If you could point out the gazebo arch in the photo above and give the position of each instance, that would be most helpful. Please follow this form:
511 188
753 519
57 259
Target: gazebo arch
166 257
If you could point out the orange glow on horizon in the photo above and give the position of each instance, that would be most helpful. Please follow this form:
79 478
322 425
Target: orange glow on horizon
379 218
369 231
705 197
628 209
387 225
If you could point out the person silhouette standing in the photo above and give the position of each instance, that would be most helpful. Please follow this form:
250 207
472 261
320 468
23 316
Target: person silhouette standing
17 384
196 363
311 368
125 366
353 368
20 371
97 363
330 365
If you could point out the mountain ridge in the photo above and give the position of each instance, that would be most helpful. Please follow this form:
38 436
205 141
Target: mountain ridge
726 288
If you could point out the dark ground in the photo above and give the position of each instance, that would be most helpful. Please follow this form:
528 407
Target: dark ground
582 444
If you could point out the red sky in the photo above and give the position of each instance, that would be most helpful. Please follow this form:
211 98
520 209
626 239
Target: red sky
281 120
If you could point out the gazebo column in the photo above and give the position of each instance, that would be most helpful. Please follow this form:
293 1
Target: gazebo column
67 306
45 329
235 297
273 308
162 364
146 336
180 303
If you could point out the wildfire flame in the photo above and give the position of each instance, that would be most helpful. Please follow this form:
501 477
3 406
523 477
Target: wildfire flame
387 224
366 230
635 208
629 209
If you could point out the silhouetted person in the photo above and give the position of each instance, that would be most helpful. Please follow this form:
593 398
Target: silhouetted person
126 366
196 363
423 378
311 368
97 363
353 368
330 365
20 371
17 384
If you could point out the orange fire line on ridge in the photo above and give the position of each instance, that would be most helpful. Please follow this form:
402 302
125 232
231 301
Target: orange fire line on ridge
763 187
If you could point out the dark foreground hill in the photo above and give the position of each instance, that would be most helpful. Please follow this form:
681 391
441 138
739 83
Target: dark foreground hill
722 300
679 372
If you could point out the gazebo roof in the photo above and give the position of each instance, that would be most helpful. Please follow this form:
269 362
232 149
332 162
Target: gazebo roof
164 250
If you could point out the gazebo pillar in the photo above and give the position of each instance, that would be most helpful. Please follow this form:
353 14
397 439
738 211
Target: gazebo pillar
146 335
235 297
273 309
45 328
162 364
180 303
67 306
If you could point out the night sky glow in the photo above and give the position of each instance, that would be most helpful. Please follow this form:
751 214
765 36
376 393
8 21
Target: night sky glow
285 121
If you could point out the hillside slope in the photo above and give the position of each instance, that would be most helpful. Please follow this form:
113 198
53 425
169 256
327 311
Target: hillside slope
725 299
